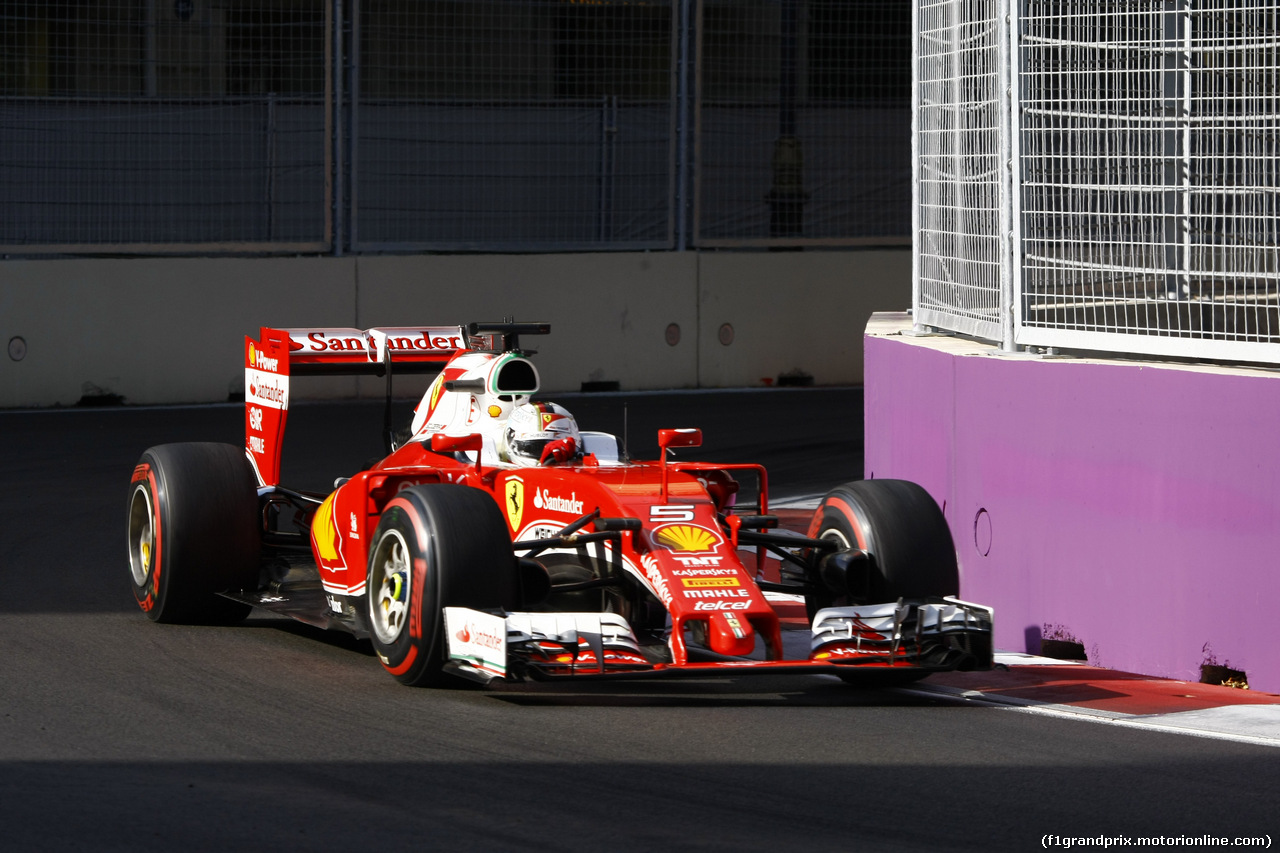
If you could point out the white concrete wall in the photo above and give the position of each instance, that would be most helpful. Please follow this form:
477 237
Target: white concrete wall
168 330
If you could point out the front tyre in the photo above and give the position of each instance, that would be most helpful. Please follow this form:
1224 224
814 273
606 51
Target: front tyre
898 523
193 532
435 546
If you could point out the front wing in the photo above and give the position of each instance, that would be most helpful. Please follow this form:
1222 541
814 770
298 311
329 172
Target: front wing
927 635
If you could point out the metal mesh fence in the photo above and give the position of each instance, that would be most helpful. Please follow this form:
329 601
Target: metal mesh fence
1150 179
1134 205
514 124
138 125
803 121
958 256
141 126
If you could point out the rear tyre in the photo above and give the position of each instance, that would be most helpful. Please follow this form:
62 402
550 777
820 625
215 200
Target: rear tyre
193 532
435 546
900 525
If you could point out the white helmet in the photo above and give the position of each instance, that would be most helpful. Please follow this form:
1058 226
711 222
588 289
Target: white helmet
534 426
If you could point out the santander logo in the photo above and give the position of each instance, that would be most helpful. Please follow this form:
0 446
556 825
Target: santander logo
479 637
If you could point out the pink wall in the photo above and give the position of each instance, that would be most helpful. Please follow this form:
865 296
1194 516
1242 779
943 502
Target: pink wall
1137 506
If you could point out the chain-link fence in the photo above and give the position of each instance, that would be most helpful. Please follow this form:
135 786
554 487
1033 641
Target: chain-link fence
142 126
802 126
132 126
1101 175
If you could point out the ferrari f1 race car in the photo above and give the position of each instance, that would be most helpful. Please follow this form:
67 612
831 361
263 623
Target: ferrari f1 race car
497 540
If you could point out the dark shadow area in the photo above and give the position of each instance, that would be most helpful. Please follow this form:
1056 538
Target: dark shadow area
626 805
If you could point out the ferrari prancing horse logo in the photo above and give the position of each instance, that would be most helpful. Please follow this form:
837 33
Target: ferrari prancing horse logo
513 501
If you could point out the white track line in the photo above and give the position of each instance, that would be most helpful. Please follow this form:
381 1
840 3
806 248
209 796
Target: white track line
1252 724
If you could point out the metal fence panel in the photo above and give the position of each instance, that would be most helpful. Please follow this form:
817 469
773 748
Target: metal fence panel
958 245
803 122
502 124
153 127
1150 193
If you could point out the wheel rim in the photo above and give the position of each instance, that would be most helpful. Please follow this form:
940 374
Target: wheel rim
837 534
142 538
390 582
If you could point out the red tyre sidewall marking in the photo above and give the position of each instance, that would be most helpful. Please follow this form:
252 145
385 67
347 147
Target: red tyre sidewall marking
419 583
143 472
841 506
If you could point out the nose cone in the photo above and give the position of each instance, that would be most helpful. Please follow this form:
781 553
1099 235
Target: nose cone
730 634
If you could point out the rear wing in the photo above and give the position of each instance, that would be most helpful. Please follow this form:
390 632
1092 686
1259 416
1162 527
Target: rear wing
412 349
281 353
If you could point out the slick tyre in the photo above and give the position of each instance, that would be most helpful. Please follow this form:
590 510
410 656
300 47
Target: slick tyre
193 532
435 546
900 525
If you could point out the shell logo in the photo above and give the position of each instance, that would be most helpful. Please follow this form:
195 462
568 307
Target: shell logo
437 388
687 537
323 532
253 355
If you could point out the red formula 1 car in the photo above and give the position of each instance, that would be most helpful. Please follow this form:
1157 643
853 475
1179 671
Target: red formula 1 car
498 540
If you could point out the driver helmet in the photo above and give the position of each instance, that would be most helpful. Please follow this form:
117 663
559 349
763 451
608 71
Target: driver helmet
533 426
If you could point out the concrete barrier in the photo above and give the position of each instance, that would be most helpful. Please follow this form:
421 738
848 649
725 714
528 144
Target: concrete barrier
1132 507
167 330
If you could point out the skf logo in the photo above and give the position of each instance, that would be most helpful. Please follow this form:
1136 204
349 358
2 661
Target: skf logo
687 537
513 501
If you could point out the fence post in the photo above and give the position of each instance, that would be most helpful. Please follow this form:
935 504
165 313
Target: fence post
684 117
354 130
916 219
339 164
1177 148
1009 172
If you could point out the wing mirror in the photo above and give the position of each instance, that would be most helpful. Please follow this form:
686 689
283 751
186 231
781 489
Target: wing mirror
679 438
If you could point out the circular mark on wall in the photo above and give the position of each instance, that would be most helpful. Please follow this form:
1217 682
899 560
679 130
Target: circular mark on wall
982 532
673 334
726 334
17 348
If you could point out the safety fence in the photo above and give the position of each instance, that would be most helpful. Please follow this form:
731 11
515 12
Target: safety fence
277 126
1100 175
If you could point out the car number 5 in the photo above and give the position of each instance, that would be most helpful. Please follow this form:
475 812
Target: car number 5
671 512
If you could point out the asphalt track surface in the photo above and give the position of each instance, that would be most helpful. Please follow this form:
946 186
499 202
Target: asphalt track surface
119 734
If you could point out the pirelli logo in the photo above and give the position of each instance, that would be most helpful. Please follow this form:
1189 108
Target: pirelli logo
708 583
